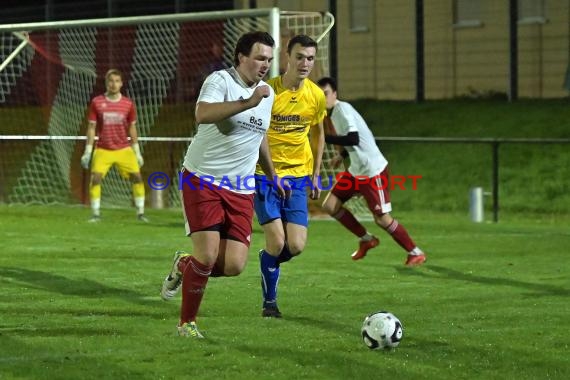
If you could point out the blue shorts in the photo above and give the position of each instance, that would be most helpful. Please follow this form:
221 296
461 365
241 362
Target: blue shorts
270 206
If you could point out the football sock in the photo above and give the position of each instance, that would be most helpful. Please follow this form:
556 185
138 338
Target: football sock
347 219
138 195
217 270
193 286
400 235
416 251
366 237
183 263
95 196
269 277
96 206
285 255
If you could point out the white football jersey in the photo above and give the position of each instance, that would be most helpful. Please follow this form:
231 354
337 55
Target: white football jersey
227 151
365 158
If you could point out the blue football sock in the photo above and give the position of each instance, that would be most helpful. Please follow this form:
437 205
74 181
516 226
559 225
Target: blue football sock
285 255
269 277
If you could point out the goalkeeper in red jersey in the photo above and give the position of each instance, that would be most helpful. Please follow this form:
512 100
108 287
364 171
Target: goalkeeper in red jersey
368 168
112 117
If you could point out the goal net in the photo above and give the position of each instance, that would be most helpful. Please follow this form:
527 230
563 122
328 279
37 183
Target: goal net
49 72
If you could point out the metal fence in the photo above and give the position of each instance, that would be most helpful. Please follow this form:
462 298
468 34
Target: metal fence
494 145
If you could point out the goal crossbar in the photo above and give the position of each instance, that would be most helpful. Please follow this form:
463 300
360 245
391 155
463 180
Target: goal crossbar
122 21
273 15
83 138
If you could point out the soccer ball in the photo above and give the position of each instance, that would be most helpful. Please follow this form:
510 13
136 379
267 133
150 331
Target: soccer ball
382 330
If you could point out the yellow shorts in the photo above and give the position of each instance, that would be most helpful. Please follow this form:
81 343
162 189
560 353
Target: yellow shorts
125 159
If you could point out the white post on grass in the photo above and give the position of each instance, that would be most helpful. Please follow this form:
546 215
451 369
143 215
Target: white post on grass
476 204
157 198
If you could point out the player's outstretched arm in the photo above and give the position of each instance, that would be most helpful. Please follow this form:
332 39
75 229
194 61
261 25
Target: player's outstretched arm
209 113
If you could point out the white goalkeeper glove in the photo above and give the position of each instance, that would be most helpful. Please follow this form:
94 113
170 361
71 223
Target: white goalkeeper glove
137 150
86 158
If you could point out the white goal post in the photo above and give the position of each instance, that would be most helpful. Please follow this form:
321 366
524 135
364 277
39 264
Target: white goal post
49 71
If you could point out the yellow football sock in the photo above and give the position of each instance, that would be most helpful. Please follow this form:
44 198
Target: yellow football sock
138 195
95 191
138 190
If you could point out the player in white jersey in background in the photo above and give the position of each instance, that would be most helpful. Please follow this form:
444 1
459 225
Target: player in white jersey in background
367 175
233 112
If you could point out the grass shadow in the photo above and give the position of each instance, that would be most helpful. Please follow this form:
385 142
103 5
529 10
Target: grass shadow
66 286
59 332
330 364
325 324
86 312
447 273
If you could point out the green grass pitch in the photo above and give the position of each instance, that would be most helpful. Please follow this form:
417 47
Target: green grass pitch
81 301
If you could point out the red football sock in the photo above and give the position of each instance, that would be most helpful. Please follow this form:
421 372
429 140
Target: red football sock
348 220
400 235
183 263
193 286
217 271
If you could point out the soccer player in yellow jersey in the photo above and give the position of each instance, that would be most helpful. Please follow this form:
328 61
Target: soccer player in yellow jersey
296 141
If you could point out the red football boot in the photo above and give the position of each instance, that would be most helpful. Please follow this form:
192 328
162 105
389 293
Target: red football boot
364 246
415 260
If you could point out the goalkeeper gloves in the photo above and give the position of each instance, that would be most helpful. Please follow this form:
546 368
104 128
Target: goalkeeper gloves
86 158
137 150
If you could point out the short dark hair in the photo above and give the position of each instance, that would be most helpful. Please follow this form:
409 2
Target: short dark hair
110 72
327 80
247 40
303 40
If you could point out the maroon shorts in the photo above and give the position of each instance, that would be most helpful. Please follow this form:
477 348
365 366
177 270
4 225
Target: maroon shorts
214 209
373 189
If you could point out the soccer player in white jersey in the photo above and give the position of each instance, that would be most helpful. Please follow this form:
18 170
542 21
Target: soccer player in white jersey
233 112
367 169
112 117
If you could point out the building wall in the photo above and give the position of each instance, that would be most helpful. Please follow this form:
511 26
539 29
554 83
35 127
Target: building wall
438 49
364 68
544 52
395 43
480 54
356 61
459 60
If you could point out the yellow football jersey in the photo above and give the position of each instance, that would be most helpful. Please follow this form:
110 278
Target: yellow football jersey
292 115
